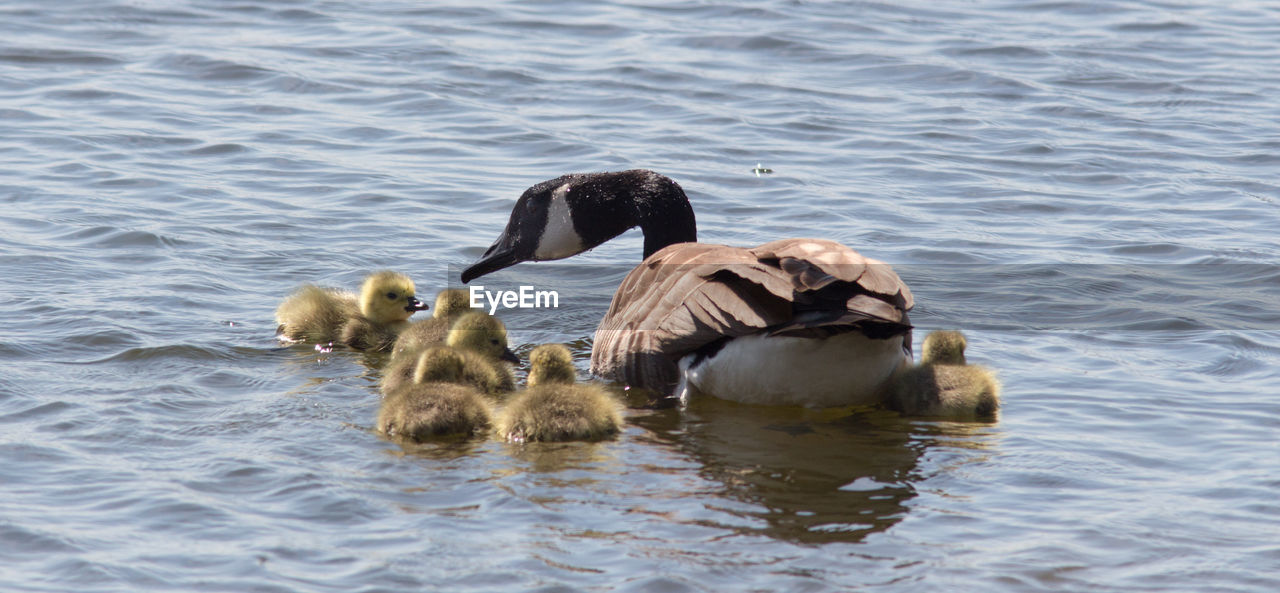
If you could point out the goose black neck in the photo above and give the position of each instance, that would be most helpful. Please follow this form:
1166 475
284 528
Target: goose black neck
667 219
641 199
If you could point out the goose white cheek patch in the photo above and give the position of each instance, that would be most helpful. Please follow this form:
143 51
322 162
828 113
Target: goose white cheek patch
559 240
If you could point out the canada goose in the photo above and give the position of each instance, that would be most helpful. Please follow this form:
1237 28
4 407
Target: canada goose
450 303
795 321
554 407
942 384
481 341
438 404
367 322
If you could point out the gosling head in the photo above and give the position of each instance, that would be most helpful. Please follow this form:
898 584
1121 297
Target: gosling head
452 301
439 365
387 297
943 347
483 334
551 363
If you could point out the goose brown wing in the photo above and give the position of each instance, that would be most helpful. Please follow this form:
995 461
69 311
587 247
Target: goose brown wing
691 296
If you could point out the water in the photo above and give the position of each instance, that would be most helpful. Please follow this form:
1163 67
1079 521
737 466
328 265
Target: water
1088 189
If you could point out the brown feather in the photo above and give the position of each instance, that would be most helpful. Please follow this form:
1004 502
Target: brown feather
689 295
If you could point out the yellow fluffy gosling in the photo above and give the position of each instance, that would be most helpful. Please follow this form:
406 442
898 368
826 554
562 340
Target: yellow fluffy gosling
437 406
450 303
554 407
370 321
481 340
943 385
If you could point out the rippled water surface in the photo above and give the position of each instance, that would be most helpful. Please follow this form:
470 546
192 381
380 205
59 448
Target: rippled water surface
1088 189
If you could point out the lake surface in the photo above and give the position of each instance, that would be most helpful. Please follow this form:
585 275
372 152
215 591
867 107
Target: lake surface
1089 190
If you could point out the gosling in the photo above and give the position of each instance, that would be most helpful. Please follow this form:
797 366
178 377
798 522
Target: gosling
554 407
420 335
943 385
438 405
481 341
370 321
450 303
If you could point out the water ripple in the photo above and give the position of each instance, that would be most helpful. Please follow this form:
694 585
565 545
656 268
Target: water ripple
1086 189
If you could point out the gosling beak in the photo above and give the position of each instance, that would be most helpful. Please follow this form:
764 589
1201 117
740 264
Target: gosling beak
510 356
415 305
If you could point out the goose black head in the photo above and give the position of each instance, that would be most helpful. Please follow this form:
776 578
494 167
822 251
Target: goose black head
574 213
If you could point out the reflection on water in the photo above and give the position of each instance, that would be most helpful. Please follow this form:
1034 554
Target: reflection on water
445 449
820 475
548 458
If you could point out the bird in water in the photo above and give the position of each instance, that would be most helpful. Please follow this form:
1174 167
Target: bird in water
554 407
369 321
793 321
438 404
481 342
450 303
943 384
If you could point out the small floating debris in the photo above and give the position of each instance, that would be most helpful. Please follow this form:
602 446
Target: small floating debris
761 170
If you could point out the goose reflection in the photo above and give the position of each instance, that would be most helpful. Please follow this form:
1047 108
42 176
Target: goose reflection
818 475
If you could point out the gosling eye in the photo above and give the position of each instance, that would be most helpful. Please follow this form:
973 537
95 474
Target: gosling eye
391 296
493 341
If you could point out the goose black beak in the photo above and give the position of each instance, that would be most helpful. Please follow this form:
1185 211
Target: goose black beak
510 356
415 305
500 255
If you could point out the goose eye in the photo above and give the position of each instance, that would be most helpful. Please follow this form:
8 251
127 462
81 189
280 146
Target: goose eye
391 296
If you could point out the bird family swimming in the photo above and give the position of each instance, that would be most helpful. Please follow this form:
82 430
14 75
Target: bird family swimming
370 321
943 384
554 407
794 321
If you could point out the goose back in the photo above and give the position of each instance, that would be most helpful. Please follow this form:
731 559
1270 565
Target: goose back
692 297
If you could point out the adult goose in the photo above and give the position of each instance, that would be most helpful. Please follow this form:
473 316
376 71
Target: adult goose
795 321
